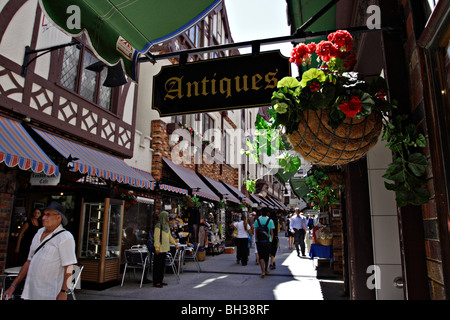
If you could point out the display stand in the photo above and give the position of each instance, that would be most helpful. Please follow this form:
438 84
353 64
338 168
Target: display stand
100 240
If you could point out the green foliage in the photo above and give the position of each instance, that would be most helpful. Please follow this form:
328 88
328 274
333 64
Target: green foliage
268 140
321 194
407 170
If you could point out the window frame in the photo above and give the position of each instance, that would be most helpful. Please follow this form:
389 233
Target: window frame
78 80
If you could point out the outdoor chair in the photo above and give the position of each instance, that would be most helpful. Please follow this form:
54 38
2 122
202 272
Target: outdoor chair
171 261
191 255
76 275
136 259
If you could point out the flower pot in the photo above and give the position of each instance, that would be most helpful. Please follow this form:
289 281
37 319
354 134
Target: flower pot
320 144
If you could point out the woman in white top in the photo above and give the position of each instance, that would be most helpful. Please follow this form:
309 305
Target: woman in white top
242 239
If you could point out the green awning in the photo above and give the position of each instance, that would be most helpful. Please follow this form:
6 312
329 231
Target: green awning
122 30
299 188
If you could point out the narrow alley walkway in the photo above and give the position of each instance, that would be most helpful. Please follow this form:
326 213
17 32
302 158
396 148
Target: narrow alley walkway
222 278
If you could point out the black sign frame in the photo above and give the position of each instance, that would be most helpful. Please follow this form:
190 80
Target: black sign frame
235 82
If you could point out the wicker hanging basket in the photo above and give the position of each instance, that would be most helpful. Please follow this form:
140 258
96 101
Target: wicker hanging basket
322 145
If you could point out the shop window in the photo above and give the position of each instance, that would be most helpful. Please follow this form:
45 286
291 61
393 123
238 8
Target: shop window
226 146
137 222
208 124
86 83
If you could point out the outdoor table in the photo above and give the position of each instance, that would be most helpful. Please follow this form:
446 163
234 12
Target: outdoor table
13 270
319 251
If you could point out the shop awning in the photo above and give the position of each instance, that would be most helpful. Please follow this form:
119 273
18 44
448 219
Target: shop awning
237 192
194 182
123 30
167 187
94 162
278 203
258 200
221 189
268 203
17 148
146 175
299 188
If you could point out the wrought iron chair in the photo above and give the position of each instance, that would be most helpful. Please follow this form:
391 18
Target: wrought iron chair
136 259
191 255
171 262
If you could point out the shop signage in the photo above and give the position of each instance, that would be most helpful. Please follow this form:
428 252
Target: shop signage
243 81
41 179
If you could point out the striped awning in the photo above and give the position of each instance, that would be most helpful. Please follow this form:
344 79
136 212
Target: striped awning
17 148
146 175
237 192
167 187
95 162
194 182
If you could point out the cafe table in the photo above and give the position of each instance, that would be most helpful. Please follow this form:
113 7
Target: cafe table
322 252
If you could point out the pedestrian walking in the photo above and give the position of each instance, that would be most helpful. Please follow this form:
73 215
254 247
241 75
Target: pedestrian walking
242 239
289 232
298 227
162 240
264 233
48 269
275 241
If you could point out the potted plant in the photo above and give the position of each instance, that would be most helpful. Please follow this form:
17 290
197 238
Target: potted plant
331 117
129 197
191 201
322 193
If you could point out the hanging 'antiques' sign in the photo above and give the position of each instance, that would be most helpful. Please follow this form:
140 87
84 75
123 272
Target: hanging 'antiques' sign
235 82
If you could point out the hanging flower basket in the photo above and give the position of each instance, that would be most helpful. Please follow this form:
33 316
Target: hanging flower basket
330 115
321 144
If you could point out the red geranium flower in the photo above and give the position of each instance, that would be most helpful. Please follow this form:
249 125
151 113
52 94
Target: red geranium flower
351 108
314 86
301 54
327 50
381 95
343 39
349 60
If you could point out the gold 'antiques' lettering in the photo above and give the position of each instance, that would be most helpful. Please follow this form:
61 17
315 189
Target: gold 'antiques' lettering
176 88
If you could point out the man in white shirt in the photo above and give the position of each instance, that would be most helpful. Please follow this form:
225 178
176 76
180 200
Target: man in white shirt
48 269
298 227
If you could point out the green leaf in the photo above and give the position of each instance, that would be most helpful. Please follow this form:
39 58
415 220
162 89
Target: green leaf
281 107
251 185
288 82
418 163
312 74
420 141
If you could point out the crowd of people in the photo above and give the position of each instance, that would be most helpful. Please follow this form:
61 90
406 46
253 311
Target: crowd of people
260 231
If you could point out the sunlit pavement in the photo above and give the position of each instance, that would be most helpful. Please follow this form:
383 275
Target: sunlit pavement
295 278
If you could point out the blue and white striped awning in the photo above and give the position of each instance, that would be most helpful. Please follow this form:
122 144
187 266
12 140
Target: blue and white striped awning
95 162
146 175
167 187
17 148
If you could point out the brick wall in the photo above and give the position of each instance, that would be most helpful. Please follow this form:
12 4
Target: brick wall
7 189
416 81
161 148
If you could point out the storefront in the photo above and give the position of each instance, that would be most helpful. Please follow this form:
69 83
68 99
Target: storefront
91 186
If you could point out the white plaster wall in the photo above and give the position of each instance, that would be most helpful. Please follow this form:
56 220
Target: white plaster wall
18 33
386 241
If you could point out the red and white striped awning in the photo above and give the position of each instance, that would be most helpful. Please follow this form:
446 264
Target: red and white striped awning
166 187
95 162
17 148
